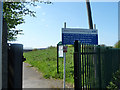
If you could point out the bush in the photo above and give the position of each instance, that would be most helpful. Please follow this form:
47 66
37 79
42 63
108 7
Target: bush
115 83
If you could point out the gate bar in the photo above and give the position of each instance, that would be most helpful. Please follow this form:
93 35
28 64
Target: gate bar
77 65
83 66
1 20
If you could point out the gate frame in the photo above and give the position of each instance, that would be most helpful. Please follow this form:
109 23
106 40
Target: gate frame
1 19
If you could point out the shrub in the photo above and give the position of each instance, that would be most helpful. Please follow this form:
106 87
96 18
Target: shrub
115 83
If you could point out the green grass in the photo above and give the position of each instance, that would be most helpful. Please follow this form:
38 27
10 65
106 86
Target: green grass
46 62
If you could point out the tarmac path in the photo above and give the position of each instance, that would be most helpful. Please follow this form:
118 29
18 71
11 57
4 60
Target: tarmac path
34 79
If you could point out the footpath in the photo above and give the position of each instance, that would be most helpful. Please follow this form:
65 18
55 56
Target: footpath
34 79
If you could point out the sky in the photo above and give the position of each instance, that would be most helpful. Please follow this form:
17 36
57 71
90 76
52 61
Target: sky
45 29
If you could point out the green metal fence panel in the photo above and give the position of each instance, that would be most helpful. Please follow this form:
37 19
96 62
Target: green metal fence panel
109 64
96 65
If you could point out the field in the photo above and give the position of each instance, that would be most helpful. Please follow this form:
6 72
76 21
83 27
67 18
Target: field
46 62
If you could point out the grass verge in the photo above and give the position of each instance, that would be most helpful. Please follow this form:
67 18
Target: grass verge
46 62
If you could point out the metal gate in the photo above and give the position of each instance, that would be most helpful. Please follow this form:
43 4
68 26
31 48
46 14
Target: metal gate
94 65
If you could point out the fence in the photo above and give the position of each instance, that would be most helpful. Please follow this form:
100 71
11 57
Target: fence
94 65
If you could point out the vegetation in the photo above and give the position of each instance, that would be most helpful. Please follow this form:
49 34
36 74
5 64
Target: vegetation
46 62
115 83
14 12
117 45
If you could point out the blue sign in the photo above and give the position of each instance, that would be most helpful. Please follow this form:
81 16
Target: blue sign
88 36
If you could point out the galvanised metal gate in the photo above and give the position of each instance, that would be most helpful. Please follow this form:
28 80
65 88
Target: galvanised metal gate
94 65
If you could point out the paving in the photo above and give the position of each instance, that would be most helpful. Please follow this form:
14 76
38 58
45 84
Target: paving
34 79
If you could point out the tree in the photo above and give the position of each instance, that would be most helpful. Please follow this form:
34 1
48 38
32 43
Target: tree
117 45
13 13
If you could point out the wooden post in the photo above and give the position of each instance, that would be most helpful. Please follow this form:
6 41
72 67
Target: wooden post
89 14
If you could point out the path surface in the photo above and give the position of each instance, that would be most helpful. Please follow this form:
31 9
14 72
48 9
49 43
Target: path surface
34 79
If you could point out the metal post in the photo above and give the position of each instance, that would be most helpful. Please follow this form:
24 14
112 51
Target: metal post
64 69
94 26
64 24
99 67
89 14
83 66
94 60
15 56
119 21
4 55
64 55
57 59
1 20
77 66
87 68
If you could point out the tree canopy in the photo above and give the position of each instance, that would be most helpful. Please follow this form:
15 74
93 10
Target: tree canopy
13 13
